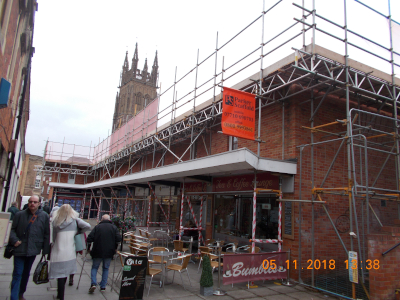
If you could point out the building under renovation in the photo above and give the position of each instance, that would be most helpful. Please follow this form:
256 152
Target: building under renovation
320 179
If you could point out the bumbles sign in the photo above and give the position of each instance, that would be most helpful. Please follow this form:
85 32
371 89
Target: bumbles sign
254 266
245 182
238 117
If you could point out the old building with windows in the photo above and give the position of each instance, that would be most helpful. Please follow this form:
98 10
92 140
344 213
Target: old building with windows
17 20
137 89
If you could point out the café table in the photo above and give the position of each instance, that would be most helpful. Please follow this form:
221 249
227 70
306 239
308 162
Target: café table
163 254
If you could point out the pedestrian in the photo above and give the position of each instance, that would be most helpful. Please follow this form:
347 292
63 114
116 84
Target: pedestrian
105 238
31 228
13 209
46 207
66 225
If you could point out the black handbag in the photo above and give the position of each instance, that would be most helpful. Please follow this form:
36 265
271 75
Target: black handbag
8 251
41 274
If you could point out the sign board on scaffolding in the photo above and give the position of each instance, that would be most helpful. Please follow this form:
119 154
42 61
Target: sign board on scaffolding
239 112
141 191
163 190
353 268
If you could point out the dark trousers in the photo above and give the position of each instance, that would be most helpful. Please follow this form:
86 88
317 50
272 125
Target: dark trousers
61 287
22 268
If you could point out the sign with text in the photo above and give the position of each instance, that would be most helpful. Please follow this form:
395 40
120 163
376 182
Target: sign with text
245 182
133 278
254 266
238 117
353 269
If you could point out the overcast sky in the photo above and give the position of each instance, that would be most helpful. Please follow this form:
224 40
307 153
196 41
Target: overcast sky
80 48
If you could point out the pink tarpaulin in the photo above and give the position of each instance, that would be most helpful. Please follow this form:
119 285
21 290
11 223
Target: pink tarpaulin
135 129
249 267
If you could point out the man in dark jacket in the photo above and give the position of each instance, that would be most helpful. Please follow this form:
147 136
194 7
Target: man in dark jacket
30 234
105 238
13 209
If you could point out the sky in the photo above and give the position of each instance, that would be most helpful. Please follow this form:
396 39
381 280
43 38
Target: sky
80 49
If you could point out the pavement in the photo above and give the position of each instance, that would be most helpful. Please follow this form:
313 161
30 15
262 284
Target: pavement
272 290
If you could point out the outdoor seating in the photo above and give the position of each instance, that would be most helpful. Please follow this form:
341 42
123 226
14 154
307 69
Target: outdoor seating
152 272
138 251
203 250
180 268
178 247
156 259
256 249
119 274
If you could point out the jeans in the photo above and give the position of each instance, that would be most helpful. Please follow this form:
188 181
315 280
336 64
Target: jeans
95 267
22 268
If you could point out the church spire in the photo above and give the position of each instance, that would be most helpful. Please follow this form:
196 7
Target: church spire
135 61
154 70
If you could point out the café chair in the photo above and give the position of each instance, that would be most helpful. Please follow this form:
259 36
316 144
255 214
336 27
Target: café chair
148 236
156 259
180 268
152 272
178 247
138 251
203 250
256 249
119 275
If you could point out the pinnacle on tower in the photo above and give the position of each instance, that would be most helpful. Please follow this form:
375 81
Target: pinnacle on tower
126 63
154 70
135 60
145 68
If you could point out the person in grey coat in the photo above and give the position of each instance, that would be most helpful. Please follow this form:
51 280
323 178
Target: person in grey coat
66 225
28 242
13 209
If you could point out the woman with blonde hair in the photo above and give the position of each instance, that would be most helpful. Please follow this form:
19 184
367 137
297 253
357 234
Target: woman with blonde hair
66 225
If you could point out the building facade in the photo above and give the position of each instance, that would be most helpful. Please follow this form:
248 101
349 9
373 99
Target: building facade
299 171
137 89
16 34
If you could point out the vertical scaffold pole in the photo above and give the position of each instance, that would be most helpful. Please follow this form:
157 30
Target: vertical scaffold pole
83 206
180 218
194 109
261 81
280 217
148 213
200 225
253 235
397 157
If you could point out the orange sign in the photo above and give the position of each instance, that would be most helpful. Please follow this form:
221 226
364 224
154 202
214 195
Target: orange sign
238 113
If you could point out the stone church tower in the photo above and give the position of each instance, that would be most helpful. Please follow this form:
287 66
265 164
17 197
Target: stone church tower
137 88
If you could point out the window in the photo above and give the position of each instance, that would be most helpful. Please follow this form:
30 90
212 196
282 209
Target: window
37 183
71 178
233 143
48 190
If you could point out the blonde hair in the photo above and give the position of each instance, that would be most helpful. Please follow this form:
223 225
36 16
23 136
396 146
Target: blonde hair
64 213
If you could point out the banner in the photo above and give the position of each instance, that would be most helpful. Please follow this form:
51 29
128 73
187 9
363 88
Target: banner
133 278
238 113
254 266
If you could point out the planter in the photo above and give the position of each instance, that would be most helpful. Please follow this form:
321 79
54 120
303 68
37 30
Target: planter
206 291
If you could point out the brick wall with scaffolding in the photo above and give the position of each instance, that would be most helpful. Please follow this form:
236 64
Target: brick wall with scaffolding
337 116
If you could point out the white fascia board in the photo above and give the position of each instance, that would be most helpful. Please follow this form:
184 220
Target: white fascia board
241 159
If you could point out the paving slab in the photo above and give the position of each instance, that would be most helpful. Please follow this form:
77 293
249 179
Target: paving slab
304 296
263 291
241 294
279 297
282 289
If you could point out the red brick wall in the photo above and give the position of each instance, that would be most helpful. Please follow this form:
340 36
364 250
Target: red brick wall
384 280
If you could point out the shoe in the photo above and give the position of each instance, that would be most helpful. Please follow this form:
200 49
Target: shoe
92 288
103 290
71 282
21 298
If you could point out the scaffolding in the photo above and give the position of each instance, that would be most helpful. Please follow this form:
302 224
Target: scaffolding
367 131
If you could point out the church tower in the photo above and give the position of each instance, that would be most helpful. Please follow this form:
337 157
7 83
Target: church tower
137 88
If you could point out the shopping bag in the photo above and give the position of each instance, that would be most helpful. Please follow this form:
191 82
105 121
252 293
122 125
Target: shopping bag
8 251
79 242
41 274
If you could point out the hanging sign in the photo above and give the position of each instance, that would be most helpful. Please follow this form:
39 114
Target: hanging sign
238 117
353 269
133 278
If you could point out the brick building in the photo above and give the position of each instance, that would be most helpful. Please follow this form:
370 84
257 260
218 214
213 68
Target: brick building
16 35
308 199
31 181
